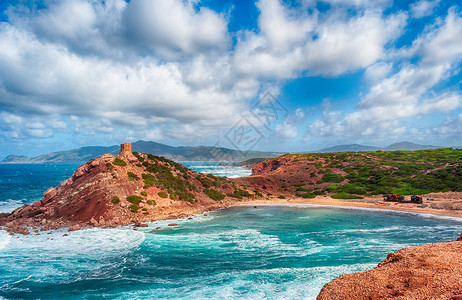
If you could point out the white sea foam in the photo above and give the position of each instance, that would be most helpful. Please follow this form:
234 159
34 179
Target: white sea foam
8 205
83 242
4 239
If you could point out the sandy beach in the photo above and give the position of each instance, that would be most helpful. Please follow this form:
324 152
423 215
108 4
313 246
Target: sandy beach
442 204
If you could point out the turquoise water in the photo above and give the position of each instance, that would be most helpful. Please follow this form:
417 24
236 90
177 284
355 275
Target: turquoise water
245 252
215 169
284 252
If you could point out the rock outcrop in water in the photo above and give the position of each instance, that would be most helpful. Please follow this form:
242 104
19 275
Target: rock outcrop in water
432 271
114 190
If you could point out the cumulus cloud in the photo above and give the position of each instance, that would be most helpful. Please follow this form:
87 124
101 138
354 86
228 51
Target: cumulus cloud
15 127
168 68
408 93
423 8
291 43
172 28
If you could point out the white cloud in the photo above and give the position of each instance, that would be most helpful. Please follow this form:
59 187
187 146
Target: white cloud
423 8
167 69
285 131
292 43
408 93
172 28
377 71
15 127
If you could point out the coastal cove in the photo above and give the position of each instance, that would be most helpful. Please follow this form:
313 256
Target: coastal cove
283 251
267 247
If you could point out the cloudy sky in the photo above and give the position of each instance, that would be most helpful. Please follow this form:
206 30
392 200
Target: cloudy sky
87 72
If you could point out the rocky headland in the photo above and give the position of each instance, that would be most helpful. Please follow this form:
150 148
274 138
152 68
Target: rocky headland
128 188
432 271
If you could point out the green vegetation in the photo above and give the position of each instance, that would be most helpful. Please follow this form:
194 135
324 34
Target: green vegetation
109 166
135 199
346 196
214 194
148 179
162 194
119 162
238 193
442 155
132 176
143 193
160 175
281 197
151 202
115 200
137 155
334 178
133 208
307 195
257 193
384 172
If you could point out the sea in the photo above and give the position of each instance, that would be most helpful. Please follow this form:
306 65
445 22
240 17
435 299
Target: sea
263 252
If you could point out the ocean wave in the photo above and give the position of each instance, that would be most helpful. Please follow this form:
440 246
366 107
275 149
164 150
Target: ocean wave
91 242
4 239
8 205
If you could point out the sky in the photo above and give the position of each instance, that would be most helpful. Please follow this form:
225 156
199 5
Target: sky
272 75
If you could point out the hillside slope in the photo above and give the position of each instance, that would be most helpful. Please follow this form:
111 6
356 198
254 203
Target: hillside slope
404 146
368 173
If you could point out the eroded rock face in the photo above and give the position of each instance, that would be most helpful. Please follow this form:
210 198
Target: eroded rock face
432 271
269 165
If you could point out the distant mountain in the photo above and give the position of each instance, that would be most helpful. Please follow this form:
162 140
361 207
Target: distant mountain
84 154
351 147
408 146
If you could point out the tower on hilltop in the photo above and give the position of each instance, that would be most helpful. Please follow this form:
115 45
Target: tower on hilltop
126 149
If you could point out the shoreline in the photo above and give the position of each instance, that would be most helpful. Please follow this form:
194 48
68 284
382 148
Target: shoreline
369 203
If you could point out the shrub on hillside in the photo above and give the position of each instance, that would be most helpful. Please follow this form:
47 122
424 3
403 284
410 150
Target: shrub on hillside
162 194
119 162
343 195
132 176
135 199
307 195
214 194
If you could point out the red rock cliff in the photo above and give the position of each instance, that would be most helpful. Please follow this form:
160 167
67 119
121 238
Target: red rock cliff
432 271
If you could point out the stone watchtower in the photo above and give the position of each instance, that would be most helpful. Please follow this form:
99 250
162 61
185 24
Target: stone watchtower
126 149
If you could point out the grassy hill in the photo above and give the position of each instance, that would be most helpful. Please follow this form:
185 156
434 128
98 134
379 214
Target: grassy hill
366 173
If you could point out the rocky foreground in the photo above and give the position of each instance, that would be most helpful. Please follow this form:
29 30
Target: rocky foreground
432 271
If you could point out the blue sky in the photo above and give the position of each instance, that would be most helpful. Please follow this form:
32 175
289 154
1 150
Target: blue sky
77 73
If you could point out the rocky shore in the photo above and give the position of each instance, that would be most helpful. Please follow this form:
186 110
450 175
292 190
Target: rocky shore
432 271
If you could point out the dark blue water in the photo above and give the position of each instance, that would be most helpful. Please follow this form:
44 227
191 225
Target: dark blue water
25 183
284 252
